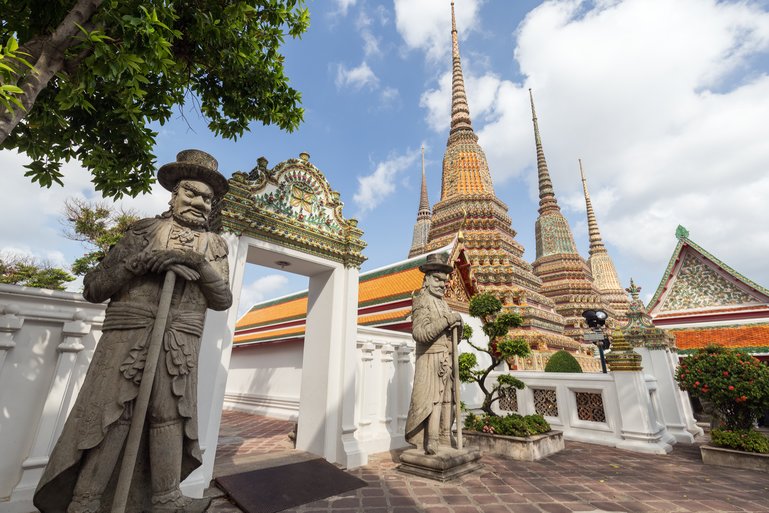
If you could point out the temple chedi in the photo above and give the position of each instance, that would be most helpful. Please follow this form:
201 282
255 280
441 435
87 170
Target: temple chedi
566 277
470 212
605 276
422 226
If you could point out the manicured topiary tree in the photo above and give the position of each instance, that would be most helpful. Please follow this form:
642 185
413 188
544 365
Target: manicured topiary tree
562 361
735 383
501 346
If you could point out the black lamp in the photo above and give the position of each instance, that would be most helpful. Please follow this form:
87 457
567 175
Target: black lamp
596 320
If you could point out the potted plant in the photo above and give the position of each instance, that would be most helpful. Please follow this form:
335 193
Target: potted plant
737 386
523 438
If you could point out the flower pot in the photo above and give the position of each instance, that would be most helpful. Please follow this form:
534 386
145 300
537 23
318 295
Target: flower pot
531 448
737 459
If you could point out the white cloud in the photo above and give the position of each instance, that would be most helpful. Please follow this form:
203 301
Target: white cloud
344 6
425 25
373 189
34 215
665 102
356 78
370 41
262 288
669 118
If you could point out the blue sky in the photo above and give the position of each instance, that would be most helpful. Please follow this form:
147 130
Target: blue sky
665 102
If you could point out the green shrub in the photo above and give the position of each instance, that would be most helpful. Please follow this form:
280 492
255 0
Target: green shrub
740 440
734 382
509 425
562 361
497 321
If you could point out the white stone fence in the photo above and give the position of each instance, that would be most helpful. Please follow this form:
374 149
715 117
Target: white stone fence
47 339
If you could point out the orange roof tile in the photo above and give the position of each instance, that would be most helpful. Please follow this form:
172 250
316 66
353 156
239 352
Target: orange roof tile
269 334
756 335
389 315
280 311
398 284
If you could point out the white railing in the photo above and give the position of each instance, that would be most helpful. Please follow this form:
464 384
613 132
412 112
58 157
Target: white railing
619 409
47 339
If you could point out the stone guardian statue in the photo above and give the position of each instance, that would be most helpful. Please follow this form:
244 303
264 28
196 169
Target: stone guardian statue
82 473
430 417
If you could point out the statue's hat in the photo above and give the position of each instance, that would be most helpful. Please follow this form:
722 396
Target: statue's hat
193 165
436 262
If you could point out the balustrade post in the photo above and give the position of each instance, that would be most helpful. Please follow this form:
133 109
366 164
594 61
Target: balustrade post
56 407
10 323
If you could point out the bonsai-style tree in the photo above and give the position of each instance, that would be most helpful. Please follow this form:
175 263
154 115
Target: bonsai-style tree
501 346
562 361
26 271
733 381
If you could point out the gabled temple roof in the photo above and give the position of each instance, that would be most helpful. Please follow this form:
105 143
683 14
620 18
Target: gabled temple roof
697 283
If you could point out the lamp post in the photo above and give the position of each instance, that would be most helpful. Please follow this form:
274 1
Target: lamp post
596 320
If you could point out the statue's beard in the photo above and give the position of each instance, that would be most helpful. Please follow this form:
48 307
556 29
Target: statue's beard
189 222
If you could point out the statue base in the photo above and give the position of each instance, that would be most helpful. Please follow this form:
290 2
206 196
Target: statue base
444 466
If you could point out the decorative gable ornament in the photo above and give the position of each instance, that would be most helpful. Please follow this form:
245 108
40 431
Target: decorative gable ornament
292 205
697 280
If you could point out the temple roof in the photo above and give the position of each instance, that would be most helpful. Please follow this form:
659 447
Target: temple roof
384 300
696 283
753 338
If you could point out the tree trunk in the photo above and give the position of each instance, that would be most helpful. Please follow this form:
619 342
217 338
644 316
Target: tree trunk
49 62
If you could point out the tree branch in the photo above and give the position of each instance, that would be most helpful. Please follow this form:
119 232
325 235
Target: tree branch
49 62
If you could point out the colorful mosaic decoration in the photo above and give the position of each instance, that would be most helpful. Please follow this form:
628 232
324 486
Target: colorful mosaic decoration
545 402
622 358
292 205
590 406
698 285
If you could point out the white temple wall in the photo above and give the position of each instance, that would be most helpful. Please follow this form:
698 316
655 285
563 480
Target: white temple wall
266 379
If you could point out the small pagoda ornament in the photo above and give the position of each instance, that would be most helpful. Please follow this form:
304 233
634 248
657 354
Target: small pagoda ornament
622 358
639 330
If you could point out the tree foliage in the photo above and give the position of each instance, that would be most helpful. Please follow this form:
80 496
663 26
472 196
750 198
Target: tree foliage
733 381
562 361
98 225
26 271
496 325
91 75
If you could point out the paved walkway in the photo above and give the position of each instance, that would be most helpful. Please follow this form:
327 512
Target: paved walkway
582 477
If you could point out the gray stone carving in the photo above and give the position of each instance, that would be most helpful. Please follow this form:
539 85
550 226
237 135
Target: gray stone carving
430 416
132 434
435 329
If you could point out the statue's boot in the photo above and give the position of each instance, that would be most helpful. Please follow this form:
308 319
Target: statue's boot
431 447
447 438
92 479
166 446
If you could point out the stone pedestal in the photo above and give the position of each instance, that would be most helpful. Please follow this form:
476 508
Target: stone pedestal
446 465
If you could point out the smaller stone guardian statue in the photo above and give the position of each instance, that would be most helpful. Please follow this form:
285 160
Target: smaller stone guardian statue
160 279
430 416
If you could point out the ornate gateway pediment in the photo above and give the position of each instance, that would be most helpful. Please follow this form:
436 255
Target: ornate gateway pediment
292 205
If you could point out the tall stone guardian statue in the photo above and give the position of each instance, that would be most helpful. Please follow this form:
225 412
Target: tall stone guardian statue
82 473
430 417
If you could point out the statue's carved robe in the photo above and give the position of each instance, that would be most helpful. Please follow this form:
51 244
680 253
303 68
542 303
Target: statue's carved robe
113 378
430 320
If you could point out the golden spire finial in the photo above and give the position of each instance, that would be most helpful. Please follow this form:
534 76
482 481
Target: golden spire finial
460 111
547 199
596 243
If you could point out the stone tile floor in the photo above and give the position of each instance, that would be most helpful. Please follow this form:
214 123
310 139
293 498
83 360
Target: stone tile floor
582 477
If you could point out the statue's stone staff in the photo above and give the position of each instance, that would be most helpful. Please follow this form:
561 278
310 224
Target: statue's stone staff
140 393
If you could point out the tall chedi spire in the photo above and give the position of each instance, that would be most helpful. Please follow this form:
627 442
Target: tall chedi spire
604 273
566 277
422 226
469 206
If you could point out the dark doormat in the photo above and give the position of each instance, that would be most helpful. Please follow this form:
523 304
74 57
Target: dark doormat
274 489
